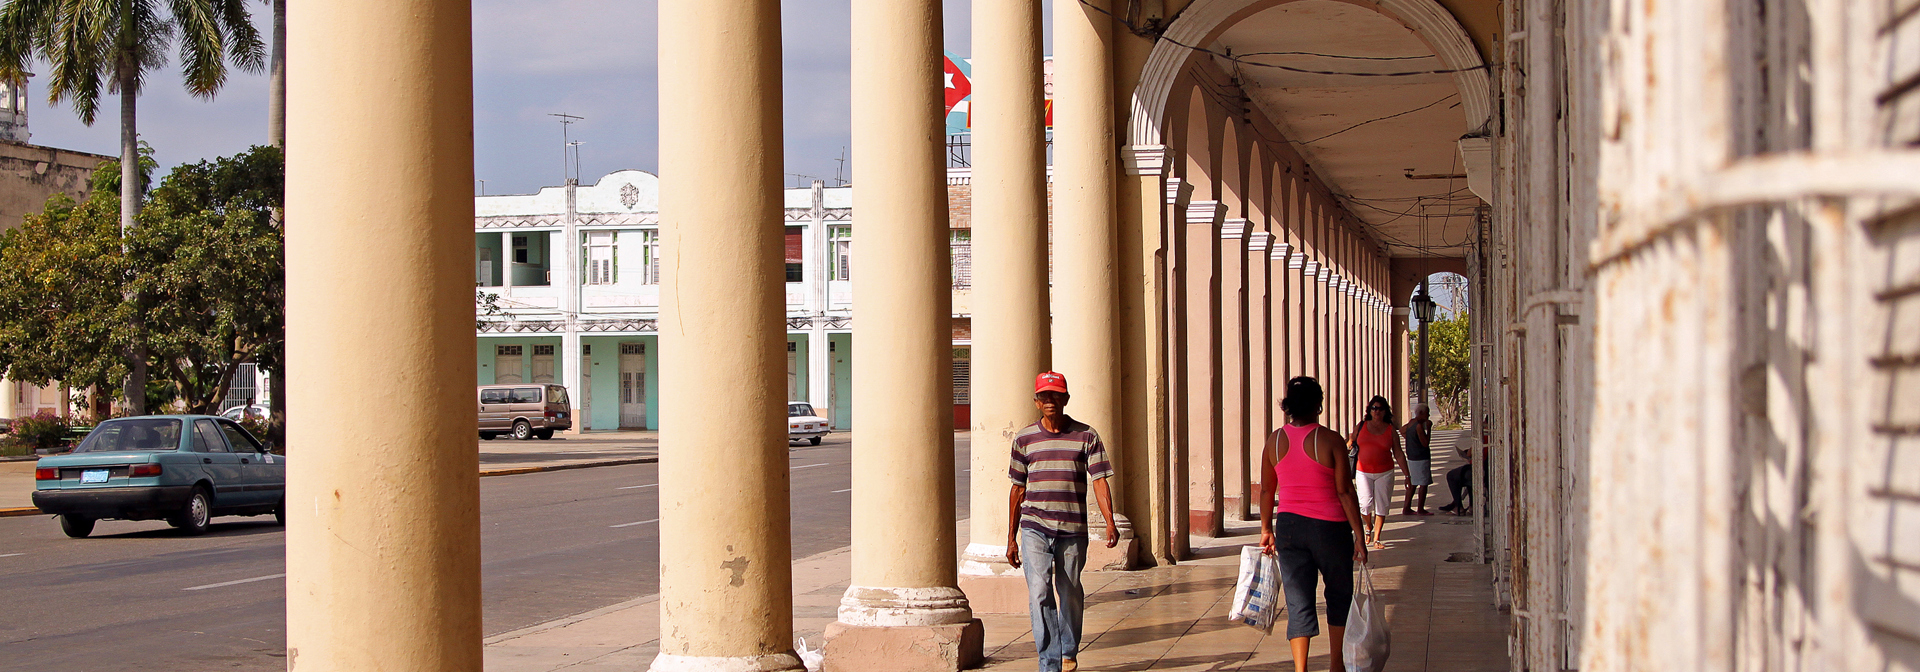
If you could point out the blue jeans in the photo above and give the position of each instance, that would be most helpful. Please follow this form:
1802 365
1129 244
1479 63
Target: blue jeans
1055 597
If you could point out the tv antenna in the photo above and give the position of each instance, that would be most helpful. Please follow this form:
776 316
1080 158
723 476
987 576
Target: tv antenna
840 171
569 165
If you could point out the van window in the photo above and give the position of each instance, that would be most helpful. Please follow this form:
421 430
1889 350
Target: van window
493 396
527 395
556 395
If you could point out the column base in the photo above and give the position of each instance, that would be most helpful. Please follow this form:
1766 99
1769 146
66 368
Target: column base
907 648
777 662
1116 559
1204 523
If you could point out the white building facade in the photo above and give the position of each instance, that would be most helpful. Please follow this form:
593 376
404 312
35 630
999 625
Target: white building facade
568 290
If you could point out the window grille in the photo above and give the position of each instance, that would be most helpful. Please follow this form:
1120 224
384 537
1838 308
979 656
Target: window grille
962 377
508 350
962 245
539 350
633 348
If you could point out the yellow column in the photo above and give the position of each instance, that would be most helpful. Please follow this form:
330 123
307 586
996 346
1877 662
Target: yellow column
1259 369
1010 328
903 610
383 540
1233 369
725 569
1086 246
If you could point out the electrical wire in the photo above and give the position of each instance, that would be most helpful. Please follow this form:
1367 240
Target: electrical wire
1158 34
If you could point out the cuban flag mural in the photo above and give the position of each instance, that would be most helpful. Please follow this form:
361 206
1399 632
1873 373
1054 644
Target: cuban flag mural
959 83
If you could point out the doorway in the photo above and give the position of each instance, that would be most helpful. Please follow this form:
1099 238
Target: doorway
633 386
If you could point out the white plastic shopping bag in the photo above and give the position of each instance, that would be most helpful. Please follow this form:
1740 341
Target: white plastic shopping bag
1256 595
1366 644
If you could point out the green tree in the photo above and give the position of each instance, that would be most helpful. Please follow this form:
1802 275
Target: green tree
94 45
1450 341
210 266
206 261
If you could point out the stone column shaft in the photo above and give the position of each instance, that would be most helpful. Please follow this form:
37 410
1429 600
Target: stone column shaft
726 578
1259 368
1233 368
1206 341
903 609
1086 263
383 541
1011 334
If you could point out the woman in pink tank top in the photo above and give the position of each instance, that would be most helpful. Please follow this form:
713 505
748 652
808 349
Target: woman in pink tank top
1310 519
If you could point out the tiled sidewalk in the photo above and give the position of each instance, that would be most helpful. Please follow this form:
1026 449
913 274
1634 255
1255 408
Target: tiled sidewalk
1440 613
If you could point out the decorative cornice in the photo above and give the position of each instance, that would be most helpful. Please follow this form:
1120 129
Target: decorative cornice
1233 228
959 176
1205 212
1144 159
828 214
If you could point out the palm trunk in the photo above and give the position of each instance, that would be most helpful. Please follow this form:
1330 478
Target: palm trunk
130 206
277 136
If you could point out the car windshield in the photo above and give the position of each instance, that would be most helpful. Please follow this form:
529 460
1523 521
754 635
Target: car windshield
797 410
132 434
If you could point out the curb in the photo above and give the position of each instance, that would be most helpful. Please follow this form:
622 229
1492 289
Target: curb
25 511
563 467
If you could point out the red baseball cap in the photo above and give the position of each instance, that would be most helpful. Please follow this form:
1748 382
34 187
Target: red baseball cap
1050 382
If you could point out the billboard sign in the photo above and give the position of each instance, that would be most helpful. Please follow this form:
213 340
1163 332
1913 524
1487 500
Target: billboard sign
959 99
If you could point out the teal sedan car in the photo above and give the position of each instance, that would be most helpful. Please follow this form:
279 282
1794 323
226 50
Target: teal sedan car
184 469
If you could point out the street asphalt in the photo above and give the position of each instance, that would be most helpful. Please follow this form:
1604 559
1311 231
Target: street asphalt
140 595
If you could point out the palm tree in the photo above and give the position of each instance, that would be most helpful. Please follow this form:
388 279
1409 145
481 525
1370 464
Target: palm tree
88 43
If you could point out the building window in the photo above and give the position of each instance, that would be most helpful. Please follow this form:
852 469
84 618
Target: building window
539 350
962 245
508 350
796 262
520 255
842 258
962 376
602 259
650 257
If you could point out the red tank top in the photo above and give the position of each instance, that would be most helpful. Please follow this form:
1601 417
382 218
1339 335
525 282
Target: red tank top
1376 451
1305 487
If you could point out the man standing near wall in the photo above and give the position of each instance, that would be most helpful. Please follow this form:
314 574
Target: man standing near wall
1054 460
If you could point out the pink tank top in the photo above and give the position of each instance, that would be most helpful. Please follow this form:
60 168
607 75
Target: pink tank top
1305 486
1376 450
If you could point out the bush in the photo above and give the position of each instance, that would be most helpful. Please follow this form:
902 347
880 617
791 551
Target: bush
258 427
41 430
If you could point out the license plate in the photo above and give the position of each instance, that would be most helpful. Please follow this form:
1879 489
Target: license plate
93 476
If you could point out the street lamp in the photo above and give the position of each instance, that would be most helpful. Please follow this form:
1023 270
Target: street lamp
1423 311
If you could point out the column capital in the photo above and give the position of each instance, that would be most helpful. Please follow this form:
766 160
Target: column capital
1233 228
1144 159
1205 212
1297 261
1278 251
1326 274
1311 269
1258 241
1176 188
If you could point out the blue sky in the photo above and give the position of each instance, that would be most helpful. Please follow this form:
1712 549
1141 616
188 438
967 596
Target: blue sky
591 58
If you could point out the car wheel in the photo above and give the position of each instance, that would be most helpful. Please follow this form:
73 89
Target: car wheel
544 434
486 436
77 527
195 515
522 431
280 512
814 440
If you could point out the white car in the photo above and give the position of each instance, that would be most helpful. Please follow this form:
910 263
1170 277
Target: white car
803 424
238 412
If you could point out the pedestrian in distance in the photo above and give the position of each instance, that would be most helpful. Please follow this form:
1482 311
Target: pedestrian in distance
1055 460
1419 442
1376 442
1460 481
1310 519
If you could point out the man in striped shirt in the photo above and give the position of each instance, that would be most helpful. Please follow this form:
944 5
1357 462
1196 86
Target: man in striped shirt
1054 460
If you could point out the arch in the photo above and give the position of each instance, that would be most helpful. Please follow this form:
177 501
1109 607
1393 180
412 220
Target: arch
1204 19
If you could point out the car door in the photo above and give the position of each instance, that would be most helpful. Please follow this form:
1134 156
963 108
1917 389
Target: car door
266 473
494 416
221 464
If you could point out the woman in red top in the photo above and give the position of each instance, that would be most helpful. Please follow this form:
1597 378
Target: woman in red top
1378 442
1315 532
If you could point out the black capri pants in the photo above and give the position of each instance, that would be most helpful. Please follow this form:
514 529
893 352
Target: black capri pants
1309 548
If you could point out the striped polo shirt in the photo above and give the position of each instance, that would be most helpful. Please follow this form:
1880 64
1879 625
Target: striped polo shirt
1055 469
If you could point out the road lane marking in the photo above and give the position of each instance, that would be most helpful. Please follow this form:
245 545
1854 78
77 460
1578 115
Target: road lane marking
630 487
840 491
643 522
235 583
810 466
9 555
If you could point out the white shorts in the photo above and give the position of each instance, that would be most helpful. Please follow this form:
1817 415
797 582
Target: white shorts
1375 491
